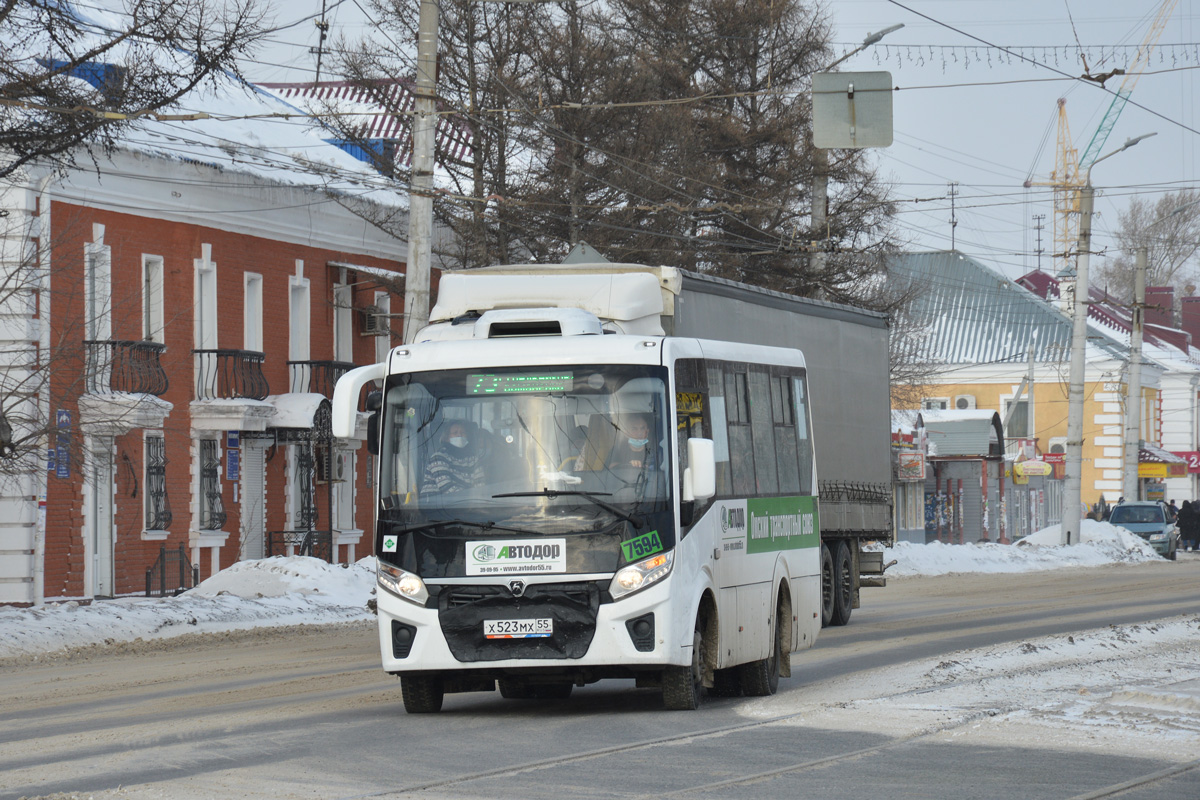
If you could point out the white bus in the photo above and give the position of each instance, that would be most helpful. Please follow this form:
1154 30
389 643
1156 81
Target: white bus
558 509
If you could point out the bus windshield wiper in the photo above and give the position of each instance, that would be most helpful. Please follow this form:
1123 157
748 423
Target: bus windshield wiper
632 519
435 523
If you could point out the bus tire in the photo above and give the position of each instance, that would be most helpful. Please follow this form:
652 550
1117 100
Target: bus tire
761 678
828 586
513 689
422 695
843 571
682 686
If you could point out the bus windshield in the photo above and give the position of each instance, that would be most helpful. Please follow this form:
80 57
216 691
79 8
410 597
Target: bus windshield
543 449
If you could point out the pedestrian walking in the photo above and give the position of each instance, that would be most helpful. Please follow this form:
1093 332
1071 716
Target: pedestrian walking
1188 523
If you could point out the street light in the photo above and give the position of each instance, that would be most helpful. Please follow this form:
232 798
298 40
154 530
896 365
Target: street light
1073 484
1133 402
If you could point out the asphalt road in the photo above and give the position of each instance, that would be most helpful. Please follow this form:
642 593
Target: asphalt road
306 713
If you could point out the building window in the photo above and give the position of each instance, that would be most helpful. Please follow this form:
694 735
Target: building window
935 403
1018 423
158 506
252 336
152 299
212 509
343 323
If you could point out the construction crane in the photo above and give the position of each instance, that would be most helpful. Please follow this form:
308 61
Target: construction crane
1070 170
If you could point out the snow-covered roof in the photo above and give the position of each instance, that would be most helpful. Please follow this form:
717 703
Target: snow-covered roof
236 126
975 315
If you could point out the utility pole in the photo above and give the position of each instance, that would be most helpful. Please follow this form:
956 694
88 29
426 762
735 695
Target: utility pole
1037 224
953 218
420 203
1133 404
1073 482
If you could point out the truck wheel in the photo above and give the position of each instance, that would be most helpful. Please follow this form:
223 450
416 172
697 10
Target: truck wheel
513 689
681 686
422 695
828 582
843 571
761 678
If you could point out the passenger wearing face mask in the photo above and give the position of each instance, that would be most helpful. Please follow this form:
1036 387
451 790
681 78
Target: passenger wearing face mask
458 464
633 448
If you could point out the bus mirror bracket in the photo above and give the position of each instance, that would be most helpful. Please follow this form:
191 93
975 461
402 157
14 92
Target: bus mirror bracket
700 477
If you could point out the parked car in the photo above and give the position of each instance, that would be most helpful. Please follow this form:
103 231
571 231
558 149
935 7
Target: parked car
1150 520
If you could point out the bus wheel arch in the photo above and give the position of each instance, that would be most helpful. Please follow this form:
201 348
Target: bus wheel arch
683 686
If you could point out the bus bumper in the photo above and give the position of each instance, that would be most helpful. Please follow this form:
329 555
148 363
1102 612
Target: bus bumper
412 641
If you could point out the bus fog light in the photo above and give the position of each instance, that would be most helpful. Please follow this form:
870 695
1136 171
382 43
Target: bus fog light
401 583
640 575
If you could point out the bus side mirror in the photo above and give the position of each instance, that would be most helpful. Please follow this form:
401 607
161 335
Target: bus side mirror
374 402
700 477
373 433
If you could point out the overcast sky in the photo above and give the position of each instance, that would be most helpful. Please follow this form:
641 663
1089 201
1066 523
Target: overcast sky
980 116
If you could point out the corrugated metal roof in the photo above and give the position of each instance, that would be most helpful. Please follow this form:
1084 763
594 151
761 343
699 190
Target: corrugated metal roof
961 433
977 316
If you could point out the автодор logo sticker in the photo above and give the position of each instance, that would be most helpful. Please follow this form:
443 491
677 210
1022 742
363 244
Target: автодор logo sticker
513 556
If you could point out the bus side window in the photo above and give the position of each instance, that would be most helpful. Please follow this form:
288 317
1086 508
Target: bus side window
783 417
741 439
767 479
802 435
720 428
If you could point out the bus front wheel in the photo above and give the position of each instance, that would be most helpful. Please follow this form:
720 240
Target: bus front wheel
682 686
422 695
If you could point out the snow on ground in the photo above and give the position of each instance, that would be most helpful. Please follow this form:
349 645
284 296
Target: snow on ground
1131 688
298 590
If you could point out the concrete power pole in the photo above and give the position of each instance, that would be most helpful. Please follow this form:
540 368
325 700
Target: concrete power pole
1073 482
1133 403
420 203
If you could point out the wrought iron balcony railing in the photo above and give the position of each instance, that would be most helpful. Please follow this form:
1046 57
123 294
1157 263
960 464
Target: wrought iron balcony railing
317 376
116 365
228 374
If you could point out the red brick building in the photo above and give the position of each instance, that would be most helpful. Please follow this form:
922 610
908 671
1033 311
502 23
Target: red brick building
172 329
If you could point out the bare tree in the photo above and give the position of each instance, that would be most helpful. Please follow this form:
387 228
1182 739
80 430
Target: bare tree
70 79
1169 229
663 131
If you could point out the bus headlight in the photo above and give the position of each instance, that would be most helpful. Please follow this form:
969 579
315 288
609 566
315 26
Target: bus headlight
636 577
401 583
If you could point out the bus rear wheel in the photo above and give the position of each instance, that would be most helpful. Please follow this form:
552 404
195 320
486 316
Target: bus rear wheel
761 678
422 695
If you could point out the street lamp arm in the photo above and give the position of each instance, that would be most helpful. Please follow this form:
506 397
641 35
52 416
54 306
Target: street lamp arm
1128 144
871 39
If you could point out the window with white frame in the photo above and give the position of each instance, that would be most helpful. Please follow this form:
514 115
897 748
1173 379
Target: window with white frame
157 505
1019 425
252 325
935 403
212 508
153 322
343 323
383 342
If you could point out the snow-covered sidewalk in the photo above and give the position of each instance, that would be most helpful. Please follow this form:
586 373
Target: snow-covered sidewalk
298 591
